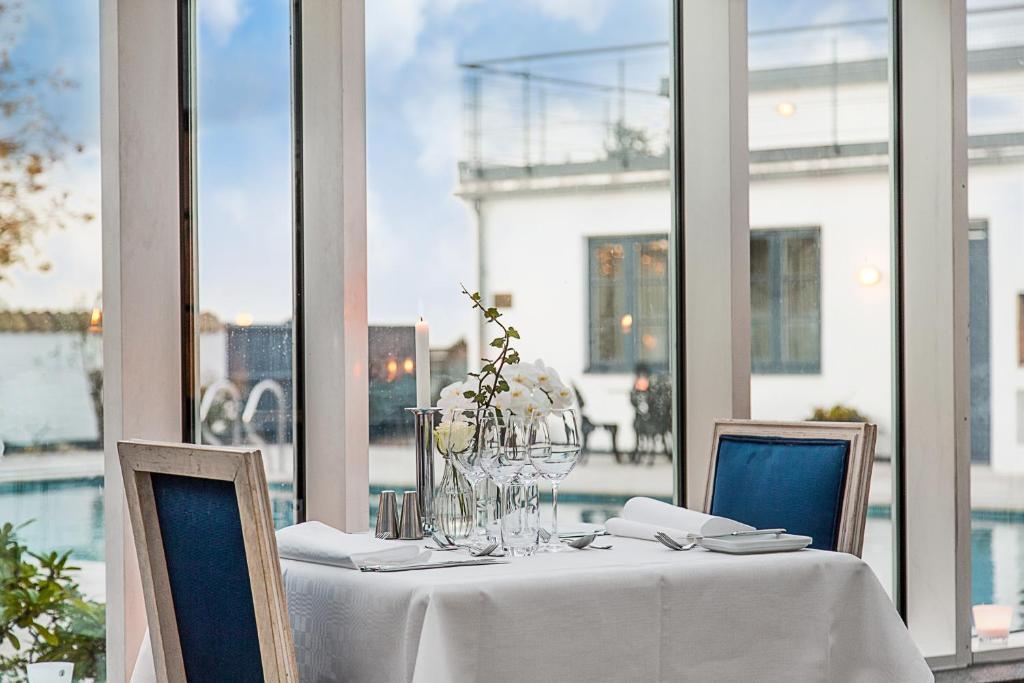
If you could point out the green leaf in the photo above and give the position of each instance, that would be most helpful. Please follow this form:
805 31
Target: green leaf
492 313
13 639
475 296
498 343
469 394
489 368
512 332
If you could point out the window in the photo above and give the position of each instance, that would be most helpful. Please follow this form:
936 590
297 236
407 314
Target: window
821 297
785 301
995 126
628 303
243 229
51 318
529 141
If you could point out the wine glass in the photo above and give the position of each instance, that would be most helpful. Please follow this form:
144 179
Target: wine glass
555 447
504 452
466 431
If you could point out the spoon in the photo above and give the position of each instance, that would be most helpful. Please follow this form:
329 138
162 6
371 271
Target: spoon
672 543
487 550
585 542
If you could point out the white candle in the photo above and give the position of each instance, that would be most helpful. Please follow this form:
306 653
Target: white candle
422 364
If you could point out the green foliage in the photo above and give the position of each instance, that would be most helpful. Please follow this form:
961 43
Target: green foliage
837 413
490 383
43 615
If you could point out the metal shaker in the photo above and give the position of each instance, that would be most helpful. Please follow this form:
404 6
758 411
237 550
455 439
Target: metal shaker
411 526
387 515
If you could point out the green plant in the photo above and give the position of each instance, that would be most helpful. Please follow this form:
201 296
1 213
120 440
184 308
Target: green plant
43 615
837 413
490 383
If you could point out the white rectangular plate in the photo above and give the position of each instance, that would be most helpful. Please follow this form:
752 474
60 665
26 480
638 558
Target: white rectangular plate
749 545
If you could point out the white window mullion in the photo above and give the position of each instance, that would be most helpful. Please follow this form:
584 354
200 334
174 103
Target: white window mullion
933 182
141 278
333 124
715 226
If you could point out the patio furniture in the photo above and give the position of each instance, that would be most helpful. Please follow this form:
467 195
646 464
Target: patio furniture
589 427
651 397
208 558
810 478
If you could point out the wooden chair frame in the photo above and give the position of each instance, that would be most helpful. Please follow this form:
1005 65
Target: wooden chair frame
861 437
244 467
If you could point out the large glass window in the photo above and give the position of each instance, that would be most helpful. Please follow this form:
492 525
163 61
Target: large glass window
521 149
995 126
51 321
242 199
821 298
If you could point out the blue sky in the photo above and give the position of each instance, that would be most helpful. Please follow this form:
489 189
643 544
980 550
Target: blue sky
420 234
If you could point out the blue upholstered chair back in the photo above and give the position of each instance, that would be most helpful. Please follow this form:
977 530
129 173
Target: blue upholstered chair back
794 483
201 531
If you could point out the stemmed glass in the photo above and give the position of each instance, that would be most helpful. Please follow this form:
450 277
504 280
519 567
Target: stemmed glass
469 449
555 447
504 452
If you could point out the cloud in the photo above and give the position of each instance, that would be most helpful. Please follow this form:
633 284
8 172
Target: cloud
588 15
222 17
394 27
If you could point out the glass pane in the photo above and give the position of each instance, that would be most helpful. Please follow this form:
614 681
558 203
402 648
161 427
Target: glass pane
819 163
995 126
521 149
244 234
51 381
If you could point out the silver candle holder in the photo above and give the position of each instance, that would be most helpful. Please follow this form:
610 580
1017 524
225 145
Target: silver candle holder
425 420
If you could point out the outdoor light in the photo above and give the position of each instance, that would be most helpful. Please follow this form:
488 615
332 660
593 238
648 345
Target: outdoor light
392 369
992 622
96 320
243 319
785 109
408 366
626 323
869 276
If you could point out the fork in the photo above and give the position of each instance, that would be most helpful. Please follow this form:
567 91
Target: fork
482 552
672 543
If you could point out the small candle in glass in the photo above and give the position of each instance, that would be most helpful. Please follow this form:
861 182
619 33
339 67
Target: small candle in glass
992 622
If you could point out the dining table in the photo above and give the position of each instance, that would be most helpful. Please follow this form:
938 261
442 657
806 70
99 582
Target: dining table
636 612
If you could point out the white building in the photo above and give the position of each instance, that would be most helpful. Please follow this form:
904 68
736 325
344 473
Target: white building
820 252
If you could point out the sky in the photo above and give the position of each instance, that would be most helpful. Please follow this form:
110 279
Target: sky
420 235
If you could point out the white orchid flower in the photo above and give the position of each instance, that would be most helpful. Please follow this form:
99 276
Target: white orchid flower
453 436
453 397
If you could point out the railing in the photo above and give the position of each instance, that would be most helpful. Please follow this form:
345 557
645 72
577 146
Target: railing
243 424
610 105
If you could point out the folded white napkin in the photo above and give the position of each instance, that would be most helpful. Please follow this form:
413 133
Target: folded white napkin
316 542
643 517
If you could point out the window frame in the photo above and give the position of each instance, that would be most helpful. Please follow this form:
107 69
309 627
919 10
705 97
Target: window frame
777 238
628 364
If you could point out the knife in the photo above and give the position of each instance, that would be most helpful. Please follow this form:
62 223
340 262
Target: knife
429 565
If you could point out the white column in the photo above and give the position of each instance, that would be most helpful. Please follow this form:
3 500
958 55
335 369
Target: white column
932 191
715 225
141 280
334 256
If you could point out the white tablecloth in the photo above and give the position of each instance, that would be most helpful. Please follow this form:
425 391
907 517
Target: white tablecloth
639 612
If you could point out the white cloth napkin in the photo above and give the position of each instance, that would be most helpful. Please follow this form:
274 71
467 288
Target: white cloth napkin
316 542
643 517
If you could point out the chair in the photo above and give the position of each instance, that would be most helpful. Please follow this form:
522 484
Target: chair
810 478
208 558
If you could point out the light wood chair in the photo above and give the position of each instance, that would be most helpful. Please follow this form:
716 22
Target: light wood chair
810 478
204 534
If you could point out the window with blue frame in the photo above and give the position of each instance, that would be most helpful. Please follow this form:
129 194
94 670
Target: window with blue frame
785 301
628 303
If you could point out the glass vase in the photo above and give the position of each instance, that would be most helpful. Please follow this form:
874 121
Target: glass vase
454 505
